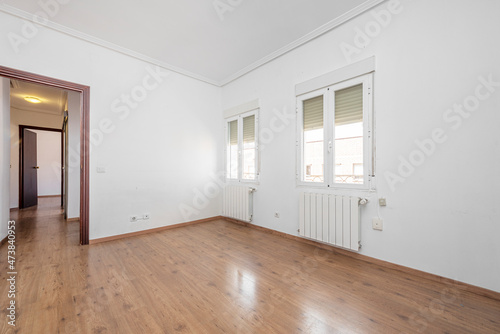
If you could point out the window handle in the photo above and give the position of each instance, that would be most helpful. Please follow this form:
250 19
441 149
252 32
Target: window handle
330 146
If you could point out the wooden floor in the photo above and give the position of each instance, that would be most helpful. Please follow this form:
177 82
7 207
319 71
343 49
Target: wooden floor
218 277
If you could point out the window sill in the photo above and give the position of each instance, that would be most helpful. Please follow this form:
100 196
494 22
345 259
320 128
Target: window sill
242 182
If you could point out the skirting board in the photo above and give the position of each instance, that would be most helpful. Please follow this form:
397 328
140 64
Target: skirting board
69 220
49 196
415 272
158 229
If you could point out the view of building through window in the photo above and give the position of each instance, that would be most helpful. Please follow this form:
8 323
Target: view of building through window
313 155
349 153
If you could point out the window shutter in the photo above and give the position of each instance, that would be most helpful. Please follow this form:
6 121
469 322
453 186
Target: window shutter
249 129
349 105
313 113
233 132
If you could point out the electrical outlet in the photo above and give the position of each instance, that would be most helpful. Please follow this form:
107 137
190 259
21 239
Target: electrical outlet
276 214
378 224
382 201
133 218
146 216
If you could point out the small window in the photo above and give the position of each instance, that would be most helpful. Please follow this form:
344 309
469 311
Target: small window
241 147
335 135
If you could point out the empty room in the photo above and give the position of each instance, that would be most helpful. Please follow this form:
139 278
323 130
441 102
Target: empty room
237 166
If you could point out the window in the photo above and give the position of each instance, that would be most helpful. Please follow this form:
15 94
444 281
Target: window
241 147
335 135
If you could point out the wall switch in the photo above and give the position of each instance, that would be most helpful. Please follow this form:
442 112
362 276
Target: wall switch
146 216
276 214
378 224
382 201
133 218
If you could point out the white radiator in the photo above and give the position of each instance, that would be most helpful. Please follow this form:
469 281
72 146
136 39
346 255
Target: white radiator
331 219
238 202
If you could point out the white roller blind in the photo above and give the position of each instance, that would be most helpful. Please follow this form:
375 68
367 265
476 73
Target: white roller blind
313 113
349 105
249 129
233 132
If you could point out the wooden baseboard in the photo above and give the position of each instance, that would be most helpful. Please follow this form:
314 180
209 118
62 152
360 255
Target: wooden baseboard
14 209
49 196
153 230
415 272
69 220
4 241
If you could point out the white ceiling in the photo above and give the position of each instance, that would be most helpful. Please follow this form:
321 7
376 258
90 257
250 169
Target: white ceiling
53 99
189 36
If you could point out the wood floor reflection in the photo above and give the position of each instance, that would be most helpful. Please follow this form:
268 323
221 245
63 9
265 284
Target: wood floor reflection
217 277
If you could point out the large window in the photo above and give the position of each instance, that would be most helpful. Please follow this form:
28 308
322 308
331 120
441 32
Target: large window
335 135
241 147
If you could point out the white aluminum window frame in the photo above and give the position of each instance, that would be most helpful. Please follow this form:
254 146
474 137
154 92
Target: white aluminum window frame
239 118
329 134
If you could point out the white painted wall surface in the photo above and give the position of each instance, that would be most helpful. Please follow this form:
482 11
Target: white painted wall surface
158 155
4 155
49 160
23 117
444 218
73 156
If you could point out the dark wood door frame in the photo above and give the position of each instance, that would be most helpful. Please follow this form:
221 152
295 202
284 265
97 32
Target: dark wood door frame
84 136
21 162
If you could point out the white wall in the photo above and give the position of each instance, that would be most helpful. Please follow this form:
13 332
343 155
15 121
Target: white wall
49 160
23 117
158 155
4 155
73 157
444 218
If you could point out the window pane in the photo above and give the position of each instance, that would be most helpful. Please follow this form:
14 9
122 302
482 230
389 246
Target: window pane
232 150
313 140
349 135
249 148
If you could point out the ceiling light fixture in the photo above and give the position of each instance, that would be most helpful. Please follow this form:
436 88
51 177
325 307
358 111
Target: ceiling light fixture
33 99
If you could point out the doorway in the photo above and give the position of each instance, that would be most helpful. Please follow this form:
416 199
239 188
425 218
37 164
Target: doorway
33 181
84 165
